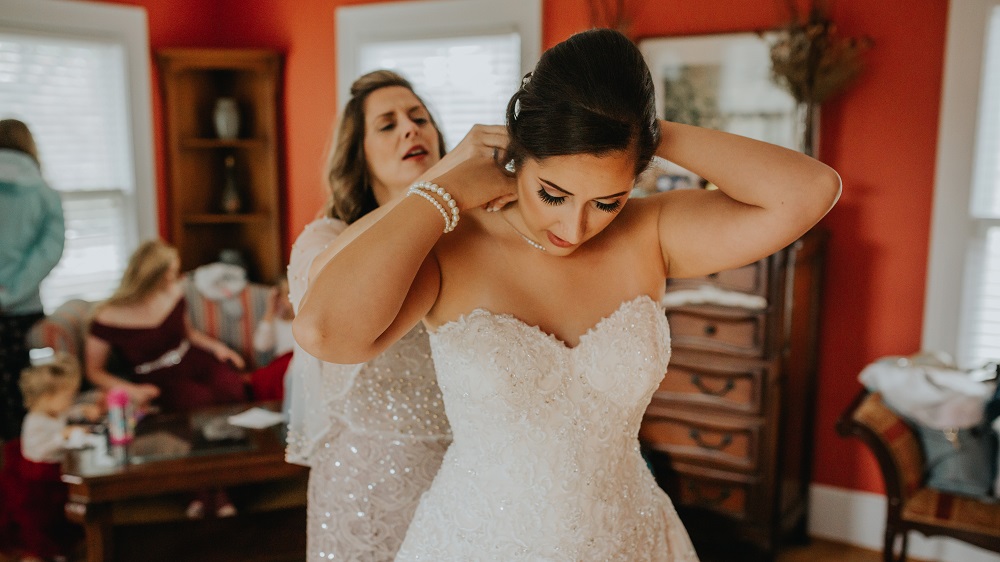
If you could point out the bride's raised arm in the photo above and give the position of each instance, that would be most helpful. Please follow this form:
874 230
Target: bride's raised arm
380 277
768 196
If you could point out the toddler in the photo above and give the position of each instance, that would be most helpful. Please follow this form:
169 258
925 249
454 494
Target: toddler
33 522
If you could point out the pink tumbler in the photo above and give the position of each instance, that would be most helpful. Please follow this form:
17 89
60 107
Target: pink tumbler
121 421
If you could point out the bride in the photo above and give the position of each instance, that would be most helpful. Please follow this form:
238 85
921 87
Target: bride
544 321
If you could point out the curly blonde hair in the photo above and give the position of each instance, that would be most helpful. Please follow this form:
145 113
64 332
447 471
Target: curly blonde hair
144 272
62 373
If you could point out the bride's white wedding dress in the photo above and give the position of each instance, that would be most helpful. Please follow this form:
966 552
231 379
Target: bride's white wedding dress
545 462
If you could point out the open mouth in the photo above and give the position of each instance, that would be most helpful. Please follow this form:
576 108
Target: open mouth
415 152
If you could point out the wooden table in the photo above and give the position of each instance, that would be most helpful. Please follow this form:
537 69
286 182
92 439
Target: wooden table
147 493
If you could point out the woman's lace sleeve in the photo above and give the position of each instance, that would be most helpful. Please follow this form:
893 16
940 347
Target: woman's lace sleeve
312 386
315 238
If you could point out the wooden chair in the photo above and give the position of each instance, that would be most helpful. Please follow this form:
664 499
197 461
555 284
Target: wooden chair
912 506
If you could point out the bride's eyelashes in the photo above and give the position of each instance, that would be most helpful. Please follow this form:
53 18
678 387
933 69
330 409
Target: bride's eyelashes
550 199
609 207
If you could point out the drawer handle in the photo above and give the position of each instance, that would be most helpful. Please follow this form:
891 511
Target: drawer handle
702 499
726 440
711 329
726 389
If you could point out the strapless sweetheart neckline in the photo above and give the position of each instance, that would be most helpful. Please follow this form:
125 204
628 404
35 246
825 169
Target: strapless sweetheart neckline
514 320
546 462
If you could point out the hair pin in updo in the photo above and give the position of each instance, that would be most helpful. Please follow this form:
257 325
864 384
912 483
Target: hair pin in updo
526 80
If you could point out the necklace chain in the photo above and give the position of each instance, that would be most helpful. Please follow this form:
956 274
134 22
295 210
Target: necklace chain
531 242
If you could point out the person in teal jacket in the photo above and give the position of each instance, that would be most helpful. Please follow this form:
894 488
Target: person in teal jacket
32 234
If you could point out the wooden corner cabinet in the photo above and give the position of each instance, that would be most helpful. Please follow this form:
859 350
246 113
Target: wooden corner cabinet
729 431
223 187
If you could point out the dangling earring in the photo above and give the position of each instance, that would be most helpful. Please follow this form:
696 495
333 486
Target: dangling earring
509 166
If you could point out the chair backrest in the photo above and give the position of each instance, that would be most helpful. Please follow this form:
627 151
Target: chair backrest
894 443
64 329
233 321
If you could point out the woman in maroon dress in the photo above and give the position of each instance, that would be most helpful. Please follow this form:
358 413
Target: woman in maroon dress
169 361
145 325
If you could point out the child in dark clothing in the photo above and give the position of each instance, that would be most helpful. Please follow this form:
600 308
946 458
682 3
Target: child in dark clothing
32 519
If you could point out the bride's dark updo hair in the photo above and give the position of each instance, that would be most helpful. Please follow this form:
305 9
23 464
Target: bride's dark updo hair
590 94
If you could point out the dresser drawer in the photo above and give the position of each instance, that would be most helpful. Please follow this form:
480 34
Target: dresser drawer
730 497
712 381
750 279
709 329
731 442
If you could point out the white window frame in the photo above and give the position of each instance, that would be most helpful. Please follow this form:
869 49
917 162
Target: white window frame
952 227
403 21
127 26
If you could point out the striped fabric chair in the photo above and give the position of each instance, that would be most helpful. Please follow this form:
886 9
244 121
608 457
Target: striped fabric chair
233 322
911 505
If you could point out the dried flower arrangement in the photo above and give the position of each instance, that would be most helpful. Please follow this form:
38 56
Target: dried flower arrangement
809 60
812 62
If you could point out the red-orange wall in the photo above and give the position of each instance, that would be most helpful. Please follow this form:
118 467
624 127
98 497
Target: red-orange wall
881 136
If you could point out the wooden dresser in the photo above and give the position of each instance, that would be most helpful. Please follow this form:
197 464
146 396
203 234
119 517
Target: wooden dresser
729 431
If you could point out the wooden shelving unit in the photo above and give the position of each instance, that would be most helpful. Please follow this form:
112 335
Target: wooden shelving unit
192 80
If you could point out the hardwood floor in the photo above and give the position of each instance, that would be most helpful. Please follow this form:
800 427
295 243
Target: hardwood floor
819 550
826 551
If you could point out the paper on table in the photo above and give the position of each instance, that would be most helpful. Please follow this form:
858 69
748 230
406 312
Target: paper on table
257 418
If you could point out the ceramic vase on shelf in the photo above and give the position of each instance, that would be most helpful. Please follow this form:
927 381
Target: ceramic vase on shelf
227 118
231 201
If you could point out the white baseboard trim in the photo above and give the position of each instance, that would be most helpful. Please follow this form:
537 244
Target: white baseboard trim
858 518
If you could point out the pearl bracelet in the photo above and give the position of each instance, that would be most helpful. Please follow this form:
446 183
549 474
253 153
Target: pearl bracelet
434 202
425 189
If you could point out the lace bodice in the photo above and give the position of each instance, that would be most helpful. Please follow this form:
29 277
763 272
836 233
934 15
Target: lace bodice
545 463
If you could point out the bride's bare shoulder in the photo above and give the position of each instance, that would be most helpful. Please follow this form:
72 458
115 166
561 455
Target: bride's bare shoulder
640 211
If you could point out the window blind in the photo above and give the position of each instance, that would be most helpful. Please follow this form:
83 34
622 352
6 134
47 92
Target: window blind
463 80
979 340
72 94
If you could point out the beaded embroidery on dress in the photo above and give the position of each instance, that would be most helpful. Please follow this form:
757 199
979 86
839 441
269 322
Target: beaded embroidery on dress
374 434
545 464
